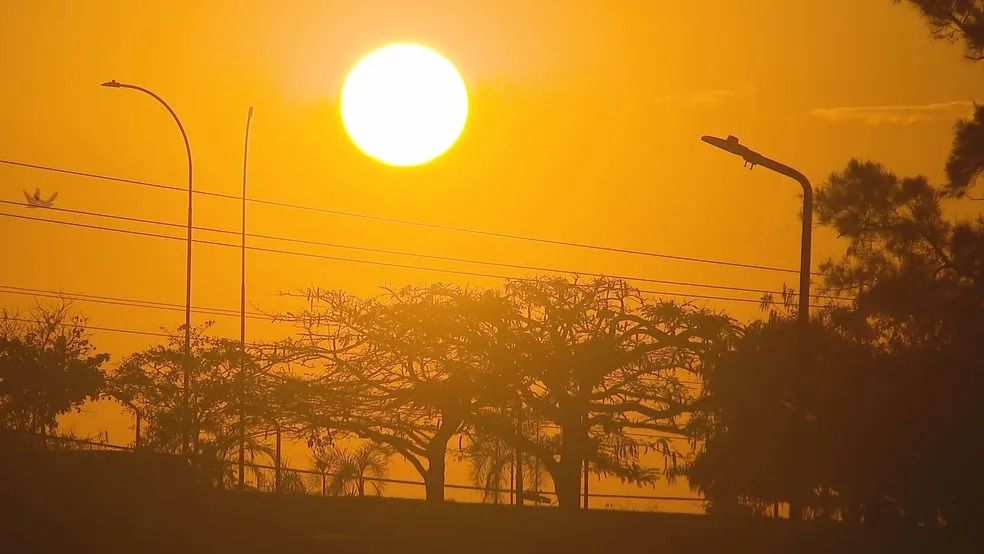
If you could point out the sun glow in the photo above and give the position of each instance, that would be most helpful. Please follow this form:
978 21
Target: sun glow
404 104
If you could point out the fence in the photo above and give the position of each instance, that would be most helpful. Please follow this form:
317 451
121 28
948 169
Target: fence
312 482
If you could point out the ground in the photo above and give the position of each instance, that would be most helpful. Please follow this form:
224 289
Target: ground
119 502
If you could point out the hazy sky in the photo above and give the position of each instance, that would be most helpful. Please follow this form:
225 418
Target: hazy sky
584 126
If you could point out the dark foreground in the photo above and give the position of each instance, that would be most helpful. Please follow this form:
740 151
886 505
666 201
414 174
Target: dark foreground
112 502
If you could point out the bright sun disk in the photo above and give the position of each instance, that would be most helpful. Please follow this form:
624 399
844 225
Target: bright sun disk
404 104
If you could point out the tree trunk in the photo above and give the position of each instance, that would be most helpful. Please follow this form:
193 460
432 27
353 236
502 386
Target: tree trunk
242 452
796 509
567 484
276 465
434 479
567 476
518 463
586 477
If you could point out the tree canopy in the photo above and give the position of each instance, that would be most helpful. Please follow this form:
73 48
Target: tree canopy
47 367
893 382
956 20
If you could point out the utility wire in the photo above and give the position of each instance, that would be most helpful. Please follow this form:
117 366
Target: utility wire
88 327
355 260
126 302
413 223
422 255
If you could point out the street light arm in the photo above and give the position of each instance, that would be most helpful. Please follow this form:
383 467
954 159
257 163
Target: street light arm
784 169
807 232
733 145
117 84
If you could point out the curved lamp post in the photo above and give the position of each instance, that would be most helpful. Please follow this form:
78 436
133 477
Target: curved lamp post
752 158
186 368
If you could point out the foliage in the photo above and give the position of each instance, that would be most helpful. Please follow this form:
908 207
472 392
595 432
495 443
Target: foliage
876 421
954 20
775 424
492 463
418 366
47 367
348 471
966 161
596 359
228 388
407 365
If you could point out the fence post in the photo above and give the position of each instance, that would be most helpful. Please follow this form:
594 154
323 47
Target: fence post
585 484
519 454
276 471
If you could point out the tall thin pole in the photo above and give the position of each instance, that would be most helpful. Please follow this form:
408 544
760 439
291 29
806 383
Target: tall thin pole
277 466
519 455
732 145
186 366
136 427
584 465
242 307
586 484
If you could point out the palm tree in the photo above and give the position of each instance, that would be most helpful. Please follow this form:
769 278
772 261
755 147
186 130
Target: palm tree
493 462
291 481
345 472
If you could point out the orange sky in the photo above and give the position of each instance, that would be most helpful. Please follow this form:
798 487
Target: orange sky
584 126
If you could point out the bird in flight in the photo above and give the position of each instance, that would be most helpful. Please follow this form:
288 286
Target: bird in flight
36 201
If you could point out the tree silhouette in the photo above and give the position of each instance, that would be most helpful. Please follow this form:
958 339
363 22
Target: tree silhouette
966 161
346 472
919 279
775 425
492 464
226 383
955 20
596 359
893 389
407 363
47 367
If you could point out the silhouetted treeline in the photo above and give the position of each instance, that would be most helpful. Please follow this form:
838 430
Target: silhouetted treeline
867 415
880 422
876 424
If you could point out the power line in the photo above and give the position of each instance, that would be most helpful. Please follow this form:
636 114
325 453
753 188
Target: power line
126 302
88 327
398 221
113 301
422 255
356 260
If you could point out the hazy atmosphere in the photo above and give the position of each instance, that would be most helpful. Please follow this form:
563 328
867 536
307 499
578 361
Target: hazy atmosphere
478 253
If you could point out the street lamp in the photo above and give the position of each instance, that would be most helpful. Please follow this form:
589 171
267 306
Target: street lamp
186 366
752 158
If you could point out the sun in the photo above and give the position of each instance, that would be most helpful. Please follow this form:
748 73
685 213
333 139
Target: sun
404 104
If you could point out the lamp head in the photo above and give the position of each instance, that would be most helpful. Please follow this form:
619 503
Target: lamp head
114 84
733 146
730 144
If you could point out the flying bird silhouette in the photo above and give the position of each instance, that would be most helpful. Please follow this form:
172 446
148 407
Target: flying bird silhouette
37 202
